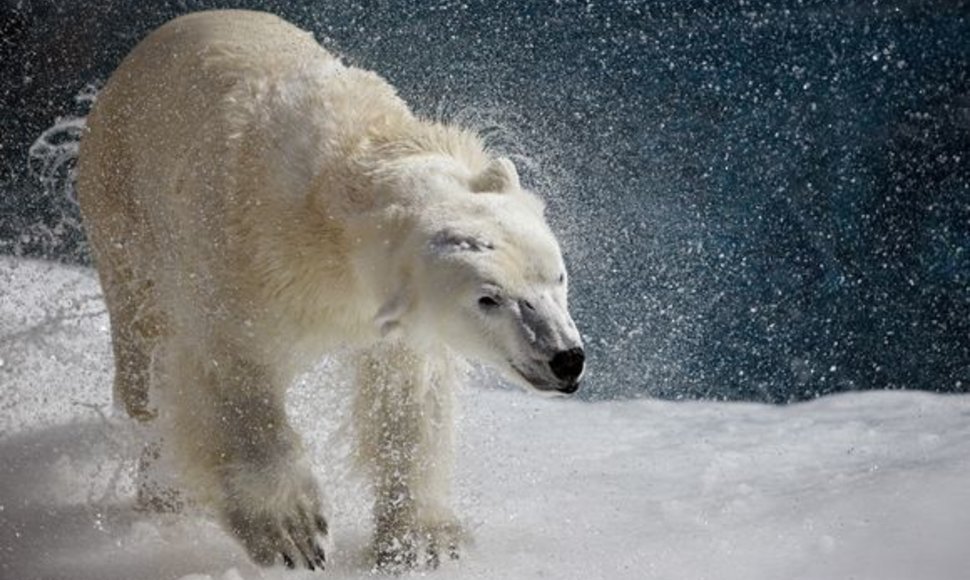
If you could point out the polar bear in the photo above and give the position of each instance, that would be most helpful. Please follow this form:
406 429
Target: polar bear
252 203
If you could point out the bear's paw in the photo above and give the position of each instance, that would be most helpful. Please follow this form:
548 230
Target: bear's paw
421 547
278 518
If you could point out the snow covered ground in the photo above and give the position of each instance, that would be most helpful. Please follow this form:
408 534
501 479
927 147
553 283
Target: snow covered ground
867 486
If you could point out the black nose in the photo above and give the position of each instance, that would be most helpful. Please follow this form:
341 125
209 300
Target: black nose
567 365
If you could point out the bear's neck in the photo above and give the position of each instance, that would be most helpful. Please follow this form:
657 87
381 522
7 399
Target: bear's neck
388 246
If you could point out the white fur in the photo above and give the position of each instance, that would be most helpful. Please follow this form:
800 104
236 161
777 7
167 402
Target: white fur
252 204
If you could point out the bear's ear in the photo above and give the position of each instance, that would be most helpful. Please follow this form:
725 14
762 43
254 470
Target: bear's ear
499 176
448 241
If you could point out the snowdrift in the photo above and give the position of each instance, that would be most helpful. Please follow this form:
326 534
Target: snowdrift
867 485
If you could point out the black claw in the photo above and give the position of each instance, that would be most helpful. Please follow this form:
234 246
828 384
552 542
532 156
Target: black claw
299 541
321 524
288 561
320 554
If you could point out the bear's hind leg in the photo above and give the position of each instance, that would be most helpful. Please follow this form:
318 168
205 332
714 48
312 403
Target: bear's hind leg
136 330
137 334
403 414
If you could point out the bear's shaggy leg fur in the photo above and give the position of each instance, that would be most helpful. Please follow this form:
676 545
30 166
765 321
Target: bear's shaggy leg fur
403 415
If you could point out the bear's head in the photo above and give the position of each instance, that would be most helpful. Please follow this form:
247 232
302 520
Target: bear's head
491 284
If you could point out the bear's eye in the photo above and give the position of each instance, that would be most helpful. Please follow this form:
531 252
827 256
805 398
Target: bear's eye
489 302
562 277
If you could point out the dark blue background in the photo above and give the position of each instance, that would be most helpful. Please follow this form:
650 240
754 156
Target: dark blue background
764 201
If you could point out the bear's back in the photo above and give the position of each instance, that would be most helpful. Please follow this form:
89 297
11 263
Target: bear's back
175 89
238 42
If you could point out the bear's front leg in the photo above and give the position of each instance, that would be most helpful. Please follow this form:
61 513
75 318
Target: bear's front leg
257 470
273 508
403 414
